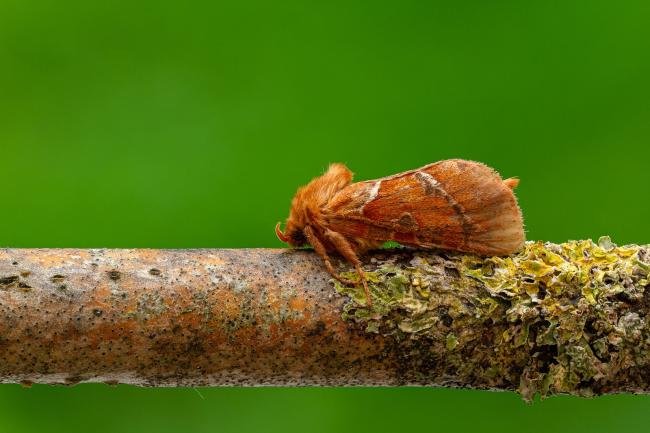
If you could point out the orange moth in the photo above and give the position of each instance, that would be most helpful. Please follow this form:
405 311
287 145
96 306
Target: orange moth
453 204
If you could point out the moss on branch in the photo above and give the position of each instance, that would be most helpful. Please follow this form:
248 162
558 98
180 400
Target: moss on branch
568 318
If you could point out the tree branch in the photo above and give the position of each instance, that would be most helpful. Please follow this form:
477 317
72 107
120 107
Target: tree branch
569 318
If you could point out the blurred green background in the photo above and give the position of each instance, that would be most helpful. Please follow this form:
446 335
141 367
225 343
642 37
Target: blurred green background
190 124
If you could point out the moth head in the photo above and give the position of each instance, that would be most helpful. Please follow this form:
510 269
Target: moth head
308 201
292 234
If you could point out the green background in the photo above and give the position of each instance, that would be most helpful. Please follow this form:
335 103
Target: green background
188 124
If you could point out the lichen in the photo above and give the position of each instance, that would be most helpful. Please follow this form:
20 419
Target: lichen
550 319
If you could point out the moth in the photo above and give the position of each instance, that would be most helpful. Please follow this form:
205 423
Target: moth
452 204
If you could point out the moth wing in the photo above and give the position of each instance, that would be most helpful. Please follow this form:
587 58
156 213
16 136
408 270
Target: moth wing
451 204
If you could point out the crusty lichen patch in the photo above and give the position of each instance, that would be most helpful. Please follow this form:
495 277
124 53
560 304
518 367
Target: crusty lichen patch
550 319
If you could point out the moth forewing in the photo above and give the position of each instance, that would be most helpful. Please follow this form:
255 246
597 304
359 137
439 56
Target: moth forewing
454 204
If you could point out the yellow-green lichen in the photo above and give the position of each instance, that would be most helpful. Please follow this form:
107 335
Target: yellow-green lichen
553 318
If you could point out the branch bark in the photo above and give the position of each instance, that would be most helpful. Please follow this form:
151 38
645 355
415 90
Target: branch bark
569 318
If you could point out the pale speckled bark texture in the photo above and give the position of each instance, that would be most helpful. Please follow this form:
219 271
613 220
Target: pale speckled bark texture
567 318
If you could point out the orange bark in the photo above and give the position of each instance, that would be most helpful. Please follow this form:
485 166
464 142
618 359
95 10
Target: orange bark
178 318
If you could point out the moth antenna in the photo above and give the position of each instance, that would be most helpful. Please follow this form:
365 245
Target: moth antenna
280 235
512 182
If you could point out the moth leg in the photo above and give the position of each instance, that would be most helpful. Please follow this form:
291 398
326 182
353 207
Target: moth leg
344 247
315 242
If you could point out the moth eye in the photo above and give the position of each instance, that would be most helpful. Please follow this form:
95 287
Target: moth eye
298 238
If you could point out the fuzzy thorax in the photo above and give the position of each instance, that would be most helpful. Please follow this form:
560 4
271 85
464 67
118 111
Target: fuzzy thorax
307 204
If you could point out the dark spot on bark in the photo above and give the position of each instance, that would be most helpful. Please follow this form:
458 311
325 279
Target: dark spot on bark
57 278
8 282
114 275
541 290
318 329
154 271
